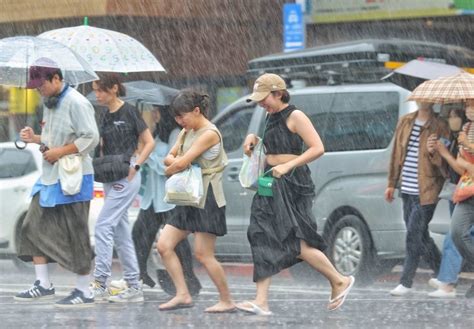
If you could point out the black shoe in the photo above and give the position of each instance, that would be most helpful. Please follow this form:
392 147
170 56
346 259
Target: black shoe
470 292
75 299
35 292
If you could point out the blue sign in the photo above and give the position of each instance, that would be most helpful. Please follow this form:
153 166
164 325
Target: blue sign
294 27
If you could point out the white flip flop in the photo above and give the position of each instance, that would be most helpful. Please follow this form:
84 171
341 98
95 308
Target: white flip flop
342 295
254 309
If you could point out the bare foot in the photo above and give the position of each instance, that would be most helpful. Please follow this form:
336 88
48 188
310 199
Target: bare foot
339 293
177 302
221 307
340 287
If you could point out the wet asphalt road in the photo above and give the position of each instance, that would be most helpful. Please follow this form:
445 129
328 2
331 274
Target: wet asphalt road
295 304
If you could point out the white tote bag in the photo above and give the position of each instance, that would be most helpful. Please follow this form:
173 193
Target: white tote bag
70 173
185 187
252 167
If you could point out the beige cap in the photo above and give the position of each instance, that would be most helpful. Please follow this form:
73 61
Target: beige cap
264 85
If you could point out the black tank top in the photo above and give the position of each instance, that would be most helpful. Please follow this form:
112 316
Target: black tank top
278 139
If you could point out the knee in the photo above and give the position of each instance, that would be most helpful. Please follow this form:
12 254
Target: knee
203 257
413 241
164 248
457 237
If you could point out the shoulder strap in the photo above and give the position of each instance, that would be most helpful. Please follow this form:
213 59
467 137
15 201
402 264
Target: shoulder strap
181 138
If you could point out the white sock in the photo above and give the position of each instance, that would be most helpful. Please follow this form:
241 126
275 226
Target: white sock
82 284
41 271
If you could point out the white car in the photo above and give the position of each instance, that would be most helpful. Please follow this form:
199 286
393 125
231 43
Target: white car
20 169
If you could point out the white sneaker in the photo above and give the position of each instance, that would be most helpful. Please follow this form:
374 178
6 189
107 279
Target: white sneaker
440 293
435 283
117 286
400 290
100 293
129 295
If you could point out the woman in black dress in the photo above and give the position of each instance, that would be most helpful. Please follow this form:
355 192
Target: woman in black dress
282 230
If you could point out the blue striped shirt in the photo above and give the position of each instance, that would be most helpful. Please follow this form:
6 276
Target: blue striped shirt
410 165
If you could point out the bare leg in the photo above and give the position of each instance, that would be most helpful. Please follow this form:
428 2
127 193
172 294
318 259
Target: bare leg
37 260
204 251
321 263
169 238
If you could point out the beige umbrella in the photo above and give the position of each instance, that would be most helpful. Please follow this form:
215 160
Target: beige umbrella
453 89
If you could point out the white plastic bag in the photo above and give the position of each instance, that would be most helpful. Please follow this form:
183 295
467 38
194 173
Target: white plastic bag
70 173
185 187
252 167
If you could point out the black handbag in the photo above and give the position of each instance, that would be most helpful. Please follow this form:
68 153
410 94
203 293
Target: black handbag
109 168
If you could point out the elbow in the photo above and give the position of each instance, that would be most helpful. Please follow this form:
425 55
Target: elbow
151 144
317 152
321 151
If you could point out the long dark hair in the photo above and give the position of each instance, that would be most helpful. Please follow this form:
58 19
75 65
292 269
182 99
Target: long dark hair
166 125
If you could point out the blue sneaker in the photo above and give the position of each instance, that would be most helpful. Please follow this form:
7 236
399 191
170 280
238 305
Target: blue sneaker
36 292
75 299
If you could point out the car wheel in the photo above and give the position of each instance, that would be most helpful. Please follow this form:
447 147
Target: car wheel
350 248
19 264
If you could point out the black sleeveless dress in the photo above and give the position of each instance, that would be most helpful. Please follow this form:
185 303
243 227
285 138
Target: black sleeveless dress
279 223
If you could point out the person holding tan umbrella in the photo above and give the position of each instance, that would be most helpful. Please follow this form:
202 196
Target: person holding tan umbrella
458 88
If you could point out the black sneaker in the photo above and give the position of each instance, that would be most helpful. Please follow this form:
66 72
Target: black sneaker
35 292
75 299
470 292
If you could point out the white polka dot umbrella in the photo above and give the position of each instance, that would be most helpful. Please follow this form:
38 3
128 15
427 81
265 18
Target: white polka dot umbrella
106 50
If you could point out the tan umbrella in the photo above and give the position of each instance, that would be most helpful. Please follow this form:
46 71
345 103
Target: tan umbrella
452 89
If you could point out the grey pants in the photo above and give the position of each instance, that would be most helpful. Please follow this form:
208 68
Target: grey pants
461 227
112 227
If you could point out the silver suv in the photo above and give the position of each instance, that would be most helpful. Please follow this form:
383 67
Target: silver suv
356 123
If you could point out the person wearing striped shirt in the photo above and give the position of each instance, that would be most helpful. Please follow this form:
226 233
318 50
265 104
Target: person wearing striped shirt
419 175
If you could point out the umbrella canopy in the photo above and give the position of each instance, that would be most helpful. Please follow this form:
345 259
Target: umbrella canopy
18 54
144 91
453 89
415 72
106 50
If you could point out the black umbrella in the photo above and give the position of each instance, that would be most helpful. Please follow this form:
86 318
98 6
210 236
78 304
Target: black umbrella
415 72
142 91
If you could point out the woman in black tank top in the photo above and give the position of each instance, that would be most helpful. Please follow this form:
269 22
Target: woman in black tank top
282 230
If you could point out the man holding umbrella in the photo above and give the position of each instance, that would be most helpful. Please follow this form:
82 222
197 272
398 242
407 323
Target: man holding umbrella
419 175
55 228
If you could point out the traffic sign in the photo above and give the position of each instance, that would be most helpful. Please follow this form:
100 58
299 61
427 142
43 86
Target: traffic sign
294 27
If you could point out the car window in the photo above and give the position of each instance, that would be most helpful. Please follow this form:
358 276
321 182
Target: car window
234 127
352 121
16 163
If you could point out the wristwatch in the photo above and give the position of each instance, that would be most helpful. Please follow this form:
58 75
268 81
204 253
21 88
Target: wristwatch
136 167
